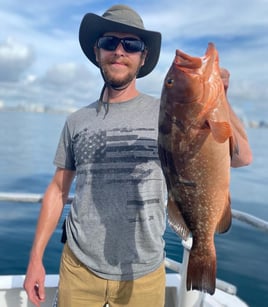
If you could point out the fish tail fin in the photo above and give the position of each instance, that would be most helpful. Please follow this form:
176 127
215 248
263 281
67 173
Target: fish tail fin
201 273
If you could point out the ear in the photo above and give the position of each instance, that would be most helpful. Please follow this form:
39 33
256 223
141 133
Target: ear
143 56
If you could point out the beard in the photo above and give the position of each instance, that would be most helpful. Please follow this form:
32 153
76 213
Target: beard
116 80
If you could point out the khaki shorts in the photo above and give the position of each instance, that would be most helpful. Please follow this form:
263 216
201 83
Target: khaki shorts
79 287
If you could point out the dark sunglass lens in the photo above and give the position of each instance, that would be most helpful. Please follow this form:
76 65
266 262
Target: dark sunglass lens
133 45
108 43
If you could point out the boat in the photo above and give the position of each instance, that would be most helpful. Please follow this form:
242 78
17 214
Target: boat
13 294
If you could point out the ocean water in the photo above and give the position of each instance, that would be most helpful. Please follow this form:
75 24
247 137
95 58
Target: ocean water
28 143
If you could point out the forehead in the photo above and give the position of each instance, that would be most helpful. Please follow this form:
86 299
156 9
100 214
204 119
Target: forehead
120 34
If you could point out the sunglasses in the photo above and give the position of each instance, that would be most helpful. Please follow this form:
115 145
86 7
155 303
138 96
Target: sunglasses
129 44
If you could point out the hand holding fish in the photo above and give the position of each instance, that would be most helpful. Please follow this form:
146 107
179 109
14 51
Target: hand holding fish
244 155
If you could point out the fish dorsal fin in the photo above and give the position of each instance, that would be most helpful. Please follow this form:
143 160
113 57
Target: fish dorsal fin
226 219
221 131
176 220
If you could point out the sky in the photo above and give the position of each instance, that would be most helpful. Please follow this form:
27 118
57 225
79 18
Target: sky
41 61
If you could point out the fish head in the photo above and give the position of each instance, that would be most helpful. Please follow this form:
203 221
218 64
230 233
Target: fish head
193 96
193 79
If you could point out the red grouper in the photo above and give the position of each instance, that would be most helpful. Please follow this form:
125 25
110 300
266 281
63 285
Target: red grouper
195 148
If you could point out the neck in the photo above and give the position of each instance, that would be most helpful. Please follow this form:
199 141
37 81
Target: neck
117 95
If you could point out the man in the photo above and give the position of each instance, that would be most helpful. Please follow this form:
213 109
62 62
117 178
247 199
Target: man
114 251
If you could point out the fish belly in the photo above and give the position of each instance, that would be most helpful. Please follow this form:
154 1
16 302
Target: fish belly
198 176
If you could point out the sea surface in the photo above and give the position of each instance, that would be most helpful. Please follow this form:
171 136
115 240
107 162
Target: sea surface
27 146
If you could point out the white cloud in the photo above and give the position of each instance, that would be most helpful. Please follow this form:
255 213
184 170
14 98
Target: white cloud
66 74
15 59
46 65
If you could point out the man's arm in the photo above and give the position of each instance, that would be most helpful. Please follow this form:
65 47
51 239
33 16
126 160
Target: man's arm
53 202
243 155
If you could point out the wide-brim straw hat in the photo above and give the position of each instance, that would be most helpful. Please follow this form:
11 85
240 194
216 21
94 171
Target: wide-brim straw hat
119 18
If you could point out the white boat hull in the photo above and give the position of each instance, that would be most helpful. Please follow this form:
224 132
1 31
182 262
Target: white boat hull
13 294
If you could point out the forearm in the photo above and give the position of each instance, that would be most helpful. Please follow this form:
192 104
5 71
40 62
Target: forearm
53 202
241 153
243 156
52 205
51 209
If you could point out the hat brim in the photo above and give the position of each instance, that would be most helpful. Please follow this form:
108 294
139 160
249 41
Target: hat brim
94 26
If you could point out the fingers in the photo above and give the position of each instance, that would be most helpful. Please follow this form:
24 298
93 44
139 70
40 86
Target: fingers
41 292
225 75
35 292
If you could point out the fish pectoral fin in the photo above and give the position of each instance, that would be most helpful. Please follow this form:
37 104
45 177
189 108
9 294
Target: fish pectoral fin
221 131
176 220
226 219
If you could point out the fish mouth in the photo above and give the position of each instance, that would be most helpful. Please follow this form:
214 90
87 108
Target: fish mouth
183 60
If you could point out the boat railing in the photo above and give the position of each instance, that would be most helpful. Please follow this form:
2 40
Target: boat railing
186 298
241 216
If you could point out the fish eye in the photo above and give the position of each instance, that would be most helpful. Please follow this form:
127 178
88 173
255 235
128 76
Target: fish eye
169 82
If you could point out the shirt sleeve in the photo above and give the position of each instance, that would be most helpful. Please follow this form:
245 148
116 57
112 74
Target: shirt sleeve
64 157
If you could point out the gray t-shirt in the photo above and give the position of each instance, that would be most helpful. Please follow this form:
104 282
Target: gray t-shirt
117 218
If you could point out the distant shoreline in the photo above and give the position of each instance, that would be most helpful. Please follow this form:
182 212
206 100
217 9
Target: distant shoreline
38 109
33 108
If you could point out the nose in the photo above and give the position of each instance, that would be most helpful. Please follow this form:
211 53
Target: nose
119 49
